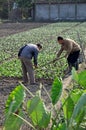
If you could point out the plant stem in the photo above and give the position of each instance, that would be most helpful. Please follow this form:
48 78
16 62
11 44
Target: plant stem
25 121
47 93
27 90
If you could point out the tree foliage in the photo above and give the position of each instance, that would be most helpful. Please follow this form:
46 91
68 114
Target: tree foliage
24 3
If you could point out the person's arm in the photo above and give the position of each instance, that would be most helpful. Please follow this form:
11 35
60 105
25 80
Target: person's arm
60 51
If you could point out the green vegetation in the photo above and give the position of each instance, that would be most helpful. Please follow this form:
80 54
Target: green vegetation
46 35
70 116
72 112
7 5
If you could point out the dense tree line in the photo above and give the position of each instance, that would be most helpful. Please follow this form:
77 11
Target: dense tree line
7 5
3 9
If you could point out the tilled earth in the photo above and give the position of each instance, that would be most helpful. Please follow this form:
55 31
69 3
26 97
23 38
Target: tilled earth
13 28
6 86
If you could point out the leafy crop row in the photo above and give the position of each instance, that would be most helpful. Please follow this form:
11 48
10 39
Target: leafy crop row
45 35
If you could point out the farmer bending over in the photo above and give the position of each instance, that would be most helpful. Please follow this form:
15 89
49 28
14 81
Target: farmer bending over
26 53
72 49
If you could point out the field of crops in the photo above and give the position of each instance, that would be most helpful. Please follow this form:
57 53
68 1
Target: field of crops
10 74
46 35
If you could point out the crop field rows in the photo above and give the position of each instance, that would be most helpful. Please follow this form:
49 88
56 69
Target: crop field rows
10 67
46 35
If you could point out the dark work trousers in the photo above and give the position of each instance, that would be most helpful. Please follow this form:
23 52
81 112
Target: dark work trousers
72 59
27 69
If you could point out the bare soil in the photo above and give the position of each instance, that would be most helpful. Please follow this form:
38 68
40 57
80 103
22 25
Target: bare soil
13 28
6 86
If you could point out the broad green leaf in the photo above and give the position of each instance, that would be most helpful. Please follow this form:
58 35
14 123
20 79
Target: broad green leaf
13 122
82 78
37 112
68 109
56 90
80 118
79 78
79 112
74 75
76 94
45 119
15 100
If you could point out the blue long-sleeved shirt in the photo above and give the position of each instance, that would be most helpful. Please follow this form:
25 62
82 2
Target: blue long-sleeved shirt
30 51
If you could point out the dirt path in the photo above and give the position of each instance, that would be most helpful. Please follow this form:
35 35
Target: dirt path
13 28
